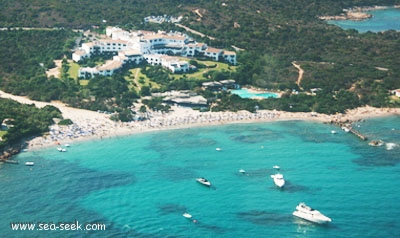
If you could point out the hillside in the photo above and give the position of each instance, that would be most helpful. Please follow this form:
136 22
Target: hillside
273 34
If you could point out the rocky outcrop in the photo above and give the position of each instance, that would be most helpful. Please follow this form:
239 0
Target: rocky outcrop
7 154
353 16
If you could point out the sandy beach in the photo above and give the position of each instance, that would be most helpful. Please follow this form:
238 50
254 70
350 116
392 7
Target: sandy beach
96 125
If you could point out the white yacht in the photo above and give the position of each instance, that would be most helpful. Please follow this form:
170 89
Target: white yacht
29 163
307 213
187 215
204 181
278 178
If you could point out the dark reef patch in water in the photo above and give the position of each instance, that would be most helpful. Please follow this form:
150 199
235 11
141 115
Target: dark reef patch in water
181 139
214 228
376 161
174 173
293 188
181 142
257 136
376 156
171 208
257 173
86 181
247 139
264 218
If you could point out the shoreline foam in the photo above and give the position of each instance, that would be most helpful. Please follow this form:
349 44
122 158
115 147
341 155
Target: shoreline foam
90 125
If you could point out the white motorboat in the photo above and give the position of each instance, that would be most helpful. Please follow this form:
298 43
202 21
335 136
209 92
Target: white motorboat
346 129
218 149
61 149
204 181
29 163
242 171
307 213
376 143
278 177
187 215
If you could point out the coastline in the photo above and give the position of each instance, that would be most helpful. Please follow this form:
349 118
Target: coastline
90 125
349 15
356 13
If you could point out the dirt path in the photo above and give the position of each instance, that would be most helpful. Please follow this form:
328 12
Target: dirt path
56 72
136 79
197 11
301 72
194 32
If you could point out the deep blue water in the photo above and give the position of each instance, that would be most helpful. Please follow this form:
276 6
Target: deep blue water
382 20
139 186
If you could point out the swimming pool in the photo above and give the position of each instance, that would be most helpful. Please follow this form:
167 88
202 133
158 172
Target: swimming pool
245 93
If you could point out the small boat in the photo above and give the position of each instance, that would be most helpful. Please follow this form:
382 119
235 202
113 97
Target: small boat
242 171
61 149
376 143
29 163
346 129
278 177
204 181
278 180
307 213
333 132
218 149
187 215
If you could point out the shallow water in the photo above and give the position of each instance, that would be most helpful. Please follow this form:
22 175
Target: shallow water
139 186
382 20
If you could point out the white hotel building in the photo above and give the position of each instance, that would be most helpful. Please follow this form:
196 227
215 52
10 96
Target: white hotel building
135 47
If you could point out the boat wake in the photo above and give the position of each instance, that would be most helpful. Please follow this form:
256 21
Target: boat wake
391 146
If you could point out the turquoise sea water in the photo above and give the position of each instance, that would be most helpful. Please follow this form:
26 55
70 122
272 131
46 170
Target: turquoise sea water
139 186
245 93
382 20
